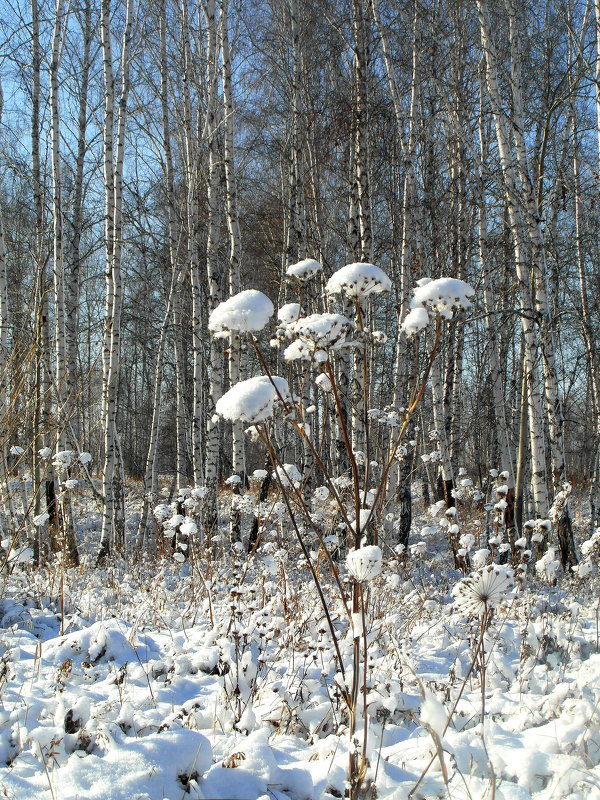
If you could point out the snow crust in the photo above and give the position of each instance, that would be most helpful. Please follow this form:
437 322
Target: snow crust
244 312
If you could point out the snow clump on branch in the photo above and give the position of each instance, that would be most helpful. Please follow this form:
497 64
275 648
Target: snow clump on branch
253 400
246 311
358 280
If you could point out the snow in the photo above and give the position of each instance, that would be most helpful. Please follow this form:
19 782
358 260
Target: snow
244 312
365 563
216 676
433 714
444 295
288 474
358 280
316 334
289 313
254 399
303 270
415 321
142 706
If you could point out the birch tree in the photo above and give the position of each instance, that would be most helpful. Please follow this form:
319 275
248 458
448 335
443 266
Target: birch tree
213 268
520 244
114 157
235 255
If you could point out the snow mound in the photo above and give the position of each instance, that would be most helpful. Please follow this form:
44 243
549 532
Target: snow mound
253 400
358 280
247 311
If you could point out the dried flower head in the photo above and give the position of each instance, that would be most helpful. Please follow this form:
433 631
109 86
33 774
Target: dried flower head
365 563
482 590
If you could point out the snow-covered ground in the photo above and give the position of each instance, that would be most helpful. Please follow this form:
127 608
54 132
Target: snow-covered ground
219 680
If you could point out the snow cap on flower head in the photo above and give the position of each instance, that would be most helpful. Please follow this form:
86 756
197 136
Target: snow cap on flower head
246 311
484 589
364 564
253 400
304 269
444 295
358 280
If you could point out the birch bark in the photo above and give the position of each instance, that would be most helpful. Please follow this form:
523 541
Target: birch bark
114 156
520 244
213 271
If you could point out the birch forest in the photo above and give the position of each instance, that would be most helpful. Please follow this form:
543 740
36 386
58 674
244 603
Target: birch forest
303 292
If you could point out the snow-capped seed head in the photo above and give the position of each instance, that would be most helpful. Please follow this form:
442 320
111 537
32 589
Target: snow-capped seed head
253 400
289 313
365 563
445 295
323 382
288 474
63 459
188 528
358 280
415 321
316 334
483 590
304 269
246 311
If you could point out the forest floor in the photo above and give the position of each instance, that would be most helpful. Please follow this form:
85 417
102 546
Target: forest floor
168 681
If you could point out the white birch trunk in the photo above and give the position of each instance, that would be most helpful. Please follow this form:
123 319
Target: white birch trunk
213 272
514 200
235 256
533 225
114 155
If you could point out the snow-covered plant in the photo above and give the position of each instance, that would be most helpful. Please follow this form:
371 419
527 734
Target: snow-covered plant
254 399
590 550
316 335
358 280
483 590
365 563
345 511
244 312
303 270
